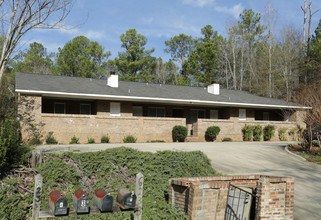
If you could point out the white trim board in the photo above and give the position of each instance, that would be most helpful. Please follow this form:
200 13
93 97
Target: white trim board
155 100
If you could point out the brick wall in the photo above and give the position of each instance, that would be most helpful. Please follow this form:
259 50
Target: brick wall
29 112
206 197
144 129
233 128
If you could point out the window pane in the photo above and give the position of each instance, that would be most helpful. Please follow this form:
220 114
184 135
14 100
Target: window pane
114 109
85 109
201 114
137 111
242 114
178 113
266 116
160 112
59 108
214 114
151 112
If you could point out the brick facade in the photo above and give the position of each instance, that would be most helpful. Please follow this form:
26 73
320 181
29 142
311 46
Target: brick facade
206 197
35 110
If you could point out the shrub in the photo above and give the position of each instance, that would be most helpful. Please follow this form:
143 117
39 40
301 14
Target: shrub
104 139
10 145
157 141
257 132
51 139
179 133
211 133
74 140
268 132
34 141
91 140
294 133
247 131
282 134
129 139
226 139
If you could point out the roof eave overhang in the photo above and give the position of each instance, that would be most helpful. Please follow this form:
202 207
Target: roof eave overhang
154 100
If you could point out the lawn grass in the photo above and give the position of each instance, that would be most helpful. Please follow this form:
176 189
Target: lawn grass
313 156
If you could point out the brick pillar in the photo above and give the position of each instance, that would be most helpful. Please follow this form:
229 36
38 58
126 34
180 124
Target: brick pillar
273 195
29 111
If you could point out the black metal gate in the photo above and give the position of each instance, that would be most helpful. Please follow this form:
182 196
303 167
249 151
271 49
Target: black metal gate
241 203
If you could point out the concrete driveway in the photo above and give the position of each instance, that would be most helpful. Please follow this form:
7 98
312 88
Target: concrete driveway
243 158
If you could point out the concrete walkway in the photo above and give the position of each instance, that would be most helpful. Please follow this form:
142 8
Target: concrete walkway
242 158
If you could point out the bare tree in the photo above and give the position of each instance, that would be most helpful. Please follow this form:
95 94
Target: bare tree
21 16
310 18
270 18
310 96
305 12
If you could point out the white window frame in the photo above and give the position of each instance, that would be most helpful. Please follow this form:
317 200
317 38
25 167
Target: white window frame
114 109
59 103
85 104
242 114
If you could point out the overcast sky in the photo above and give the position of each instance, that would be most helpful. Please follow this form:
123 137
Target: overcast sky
159 20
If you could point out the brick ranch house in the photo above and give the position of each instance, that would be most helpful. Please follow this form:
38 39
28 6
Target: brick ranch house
90 108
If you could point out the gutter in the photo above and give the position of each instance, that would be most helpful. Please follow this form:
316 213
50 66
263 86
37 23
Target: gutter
154 100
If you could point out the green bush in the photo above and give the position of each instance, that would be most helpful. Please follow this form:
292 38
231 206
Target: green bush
129 139
179 133
257 132
226 139
10 145
104 139
268 132
34 141
157 141
282 132
91 140
211 133
247 131
294 133
74 140
51 139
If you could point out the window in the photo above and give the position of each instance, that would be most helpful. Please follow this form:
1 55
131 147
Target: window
59 108
195 114
287 116
266 116
178 113
137 110
242 114
156 112
114 109
85 109
214 114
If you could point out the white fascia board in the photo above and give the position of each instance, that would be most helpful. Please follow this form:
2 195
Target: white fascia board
152 99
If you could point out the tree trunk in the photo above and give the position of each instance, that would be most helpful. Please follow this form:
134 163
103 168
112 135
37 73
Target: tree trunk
304 20
310 20
2 70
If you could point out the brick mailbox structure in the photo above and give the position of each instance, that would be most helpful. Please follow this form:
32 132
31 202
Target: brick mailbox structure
265 197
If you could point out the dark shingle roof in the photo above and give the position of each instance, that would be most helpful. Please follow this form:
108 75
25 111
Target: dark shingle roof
38 84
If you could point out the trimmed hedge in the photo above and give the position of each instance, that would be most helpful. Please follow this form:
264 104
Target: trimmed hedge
179 133
211 133
268 132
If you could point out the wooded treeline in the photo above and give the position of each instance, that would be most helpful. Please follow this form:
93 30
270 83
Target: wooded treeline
253 56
